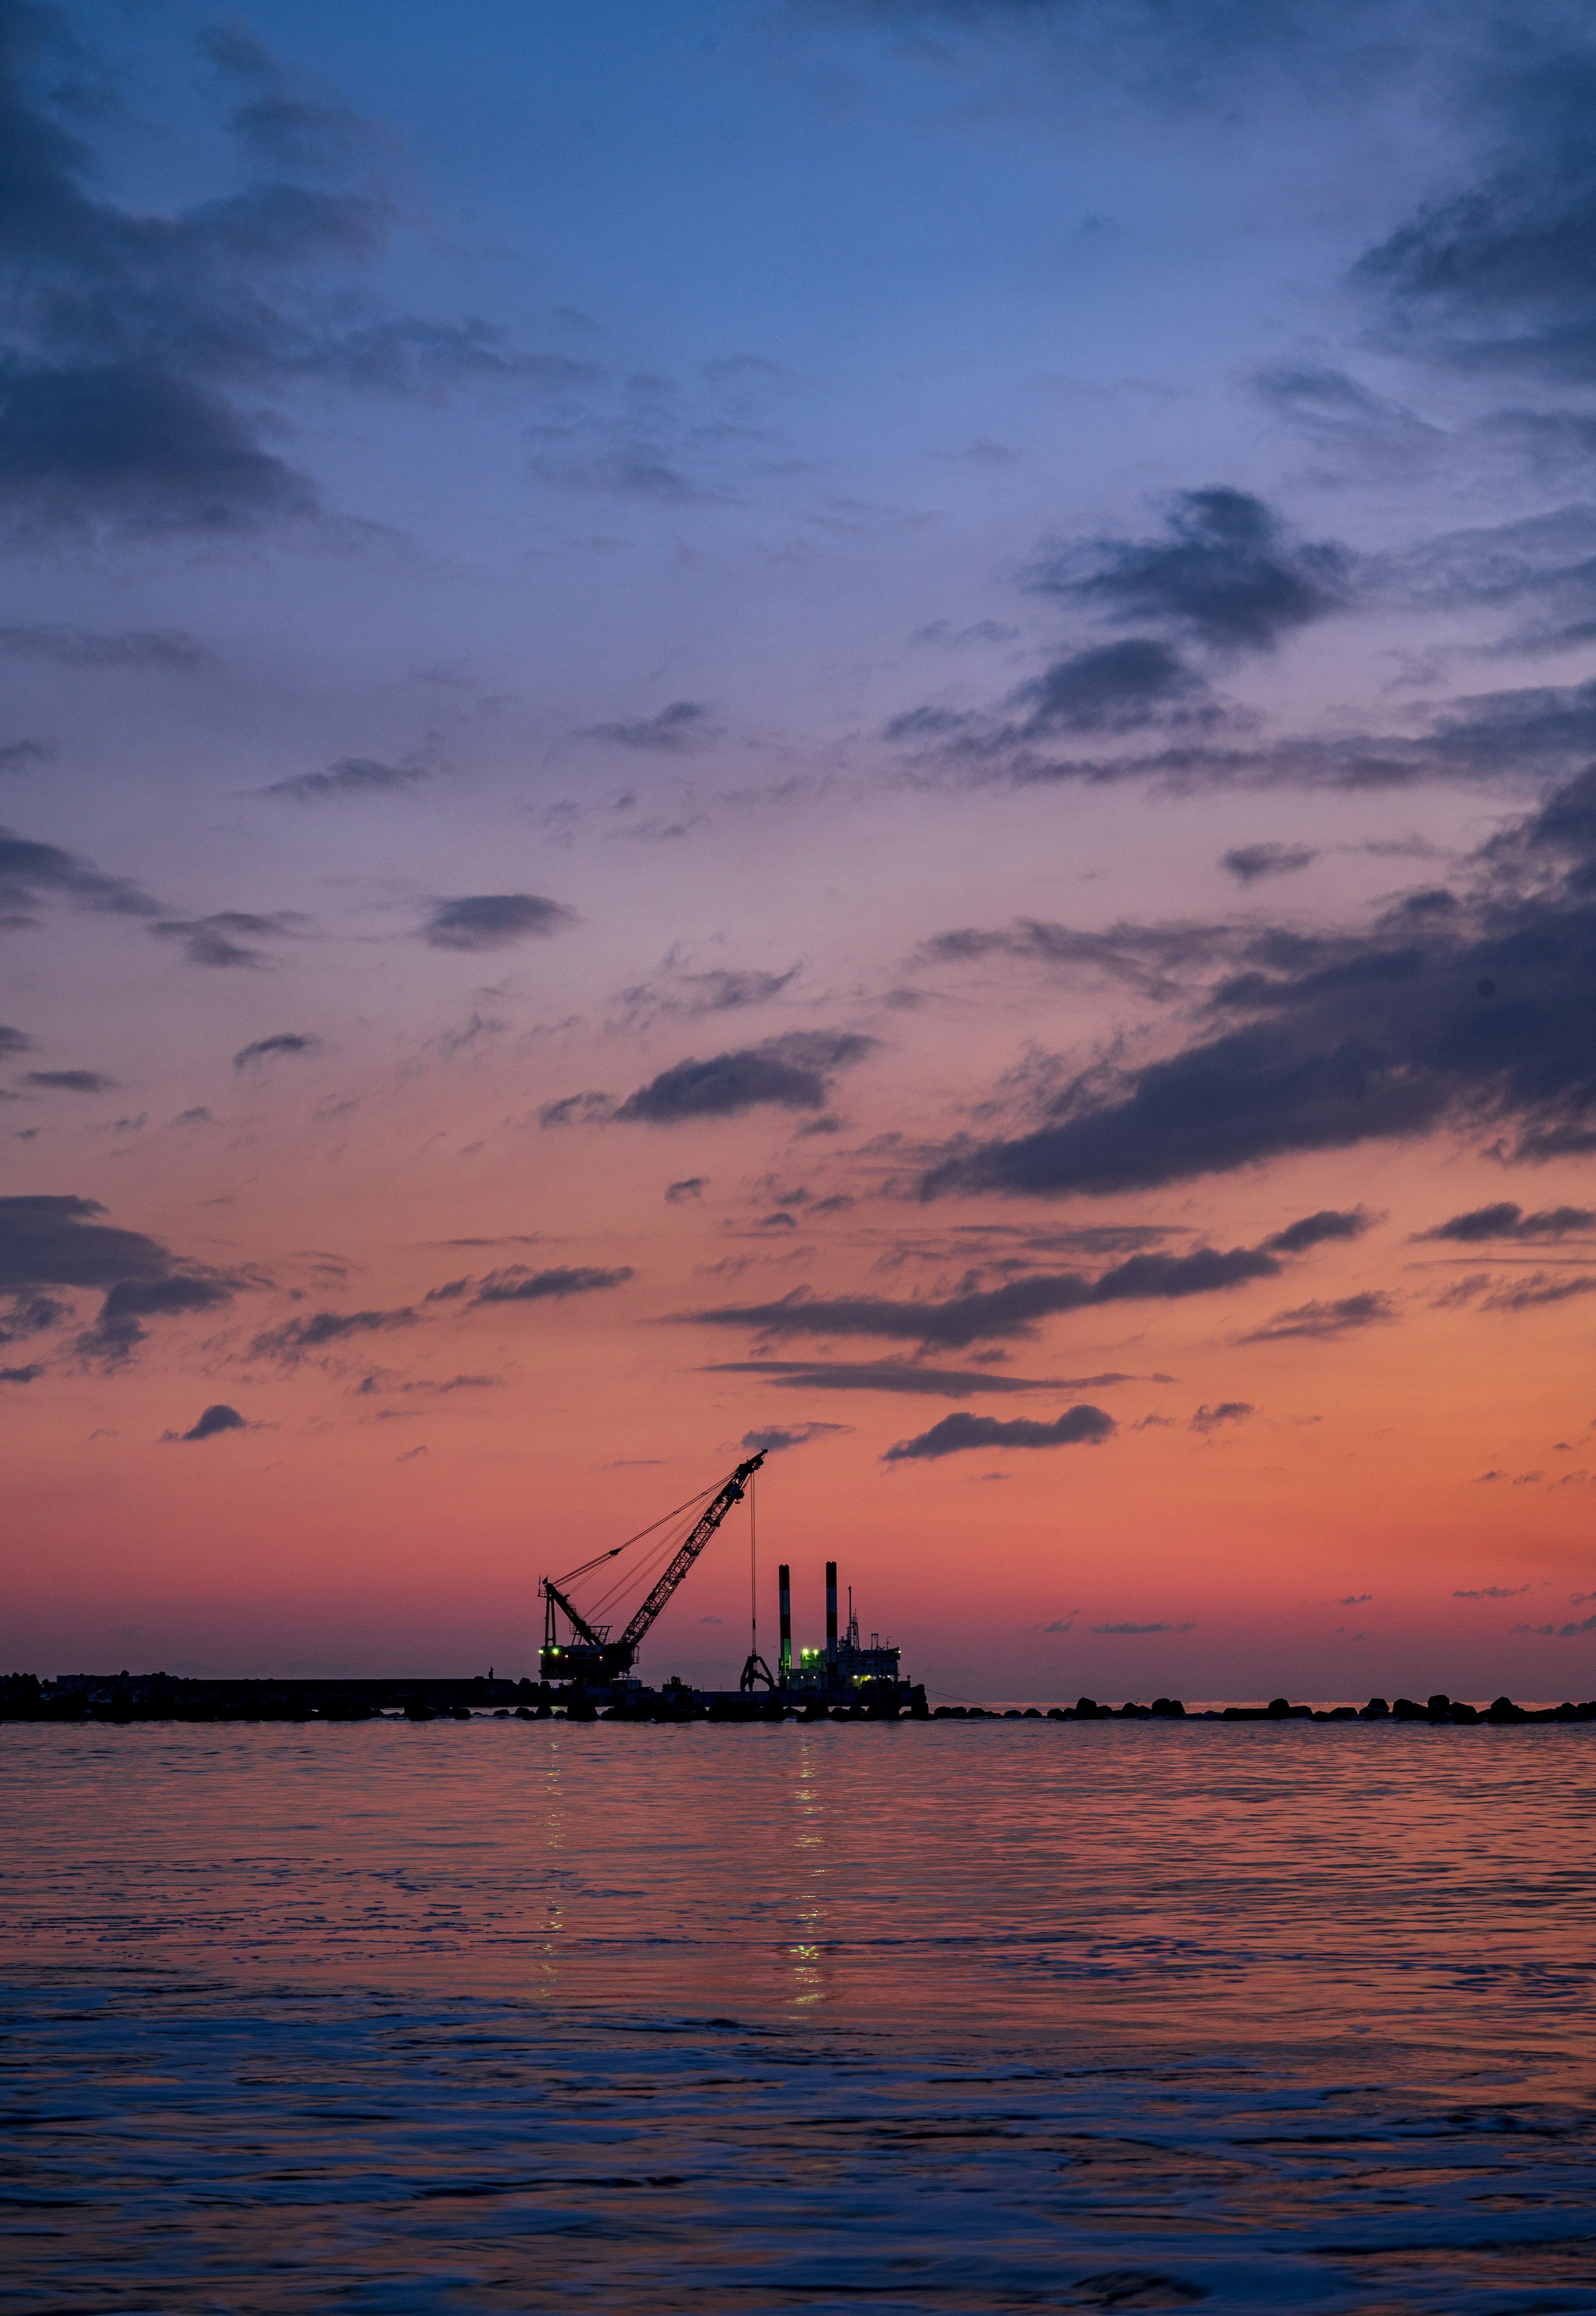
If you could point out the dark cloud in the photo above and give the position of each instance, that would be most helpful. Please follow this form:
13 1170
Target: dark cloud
1313 1322
51 1238
70 1080
678 729
264 1049
1077 1426
692 1186
1116 688
136 348
790 1072
483 921
213 1421
1493 1592
351 776
31 1312
1226 1411
1225 568
516 1283
29 872
1507 1220
119 1329
1507 737
1318 1229
21 756
223 939
1012 1310
57 1242
1249 862
162 648
1468 1011
1497 276
896 1375
772 1441
296 1338
1128 1631
21 1375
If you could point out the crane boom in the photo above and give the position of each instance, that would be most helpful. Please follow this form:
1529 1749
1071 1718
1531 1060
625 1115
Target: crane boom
708 1520
593 1656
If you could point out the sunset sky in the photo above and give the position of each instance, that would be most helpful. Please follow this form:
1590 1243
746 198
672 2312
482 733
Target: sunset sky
852 725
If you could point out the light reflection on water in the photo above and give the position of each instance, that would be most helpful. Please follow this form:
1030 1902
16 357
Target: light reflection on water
952 2018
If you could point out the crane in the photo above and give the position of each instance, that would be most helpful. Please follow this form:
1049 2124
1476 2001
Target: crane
592 1655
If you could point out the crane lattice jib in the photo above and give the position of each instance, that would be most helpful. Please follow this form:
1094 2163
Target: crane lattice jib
708 1520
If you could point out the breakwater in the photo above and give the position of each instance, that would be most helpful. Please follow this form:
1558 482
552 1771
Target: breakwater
121 1698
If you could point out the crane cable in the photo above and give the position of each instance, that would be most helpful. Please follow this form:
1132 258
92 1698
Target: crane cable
753 1574
617 1548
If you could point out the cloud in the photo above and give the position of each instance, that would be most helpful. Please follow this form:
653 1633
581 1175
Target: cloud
139 348
286 119
211 1423
29 872
484 920
1129 1630
1153 960
1076 1426
772 1441
789 1072
1313 1322
1466 1010
21 1375
678 729
70 1080
1493 278
1340 416
1357 1599
1225 568
1493 1592
896 1375
286 1041
1227 1411
1011 1310
1530 1293
692 1186
351 776
216 940
723 990
1506 1220
118 1328
1248 862
1114 688
1586 1625
1318 1229
516 1283
162 648
296 1338
578 1109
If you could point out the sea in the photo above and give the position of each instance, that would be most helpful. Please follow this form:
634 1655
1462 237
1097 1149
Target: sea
921 2020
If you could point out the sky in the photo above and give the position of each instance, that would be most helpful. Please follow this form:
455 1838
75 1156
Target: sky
859 726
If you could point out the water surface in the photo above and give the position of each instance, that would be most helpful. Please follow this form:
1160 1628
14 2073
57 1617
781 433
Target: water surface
958 2016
